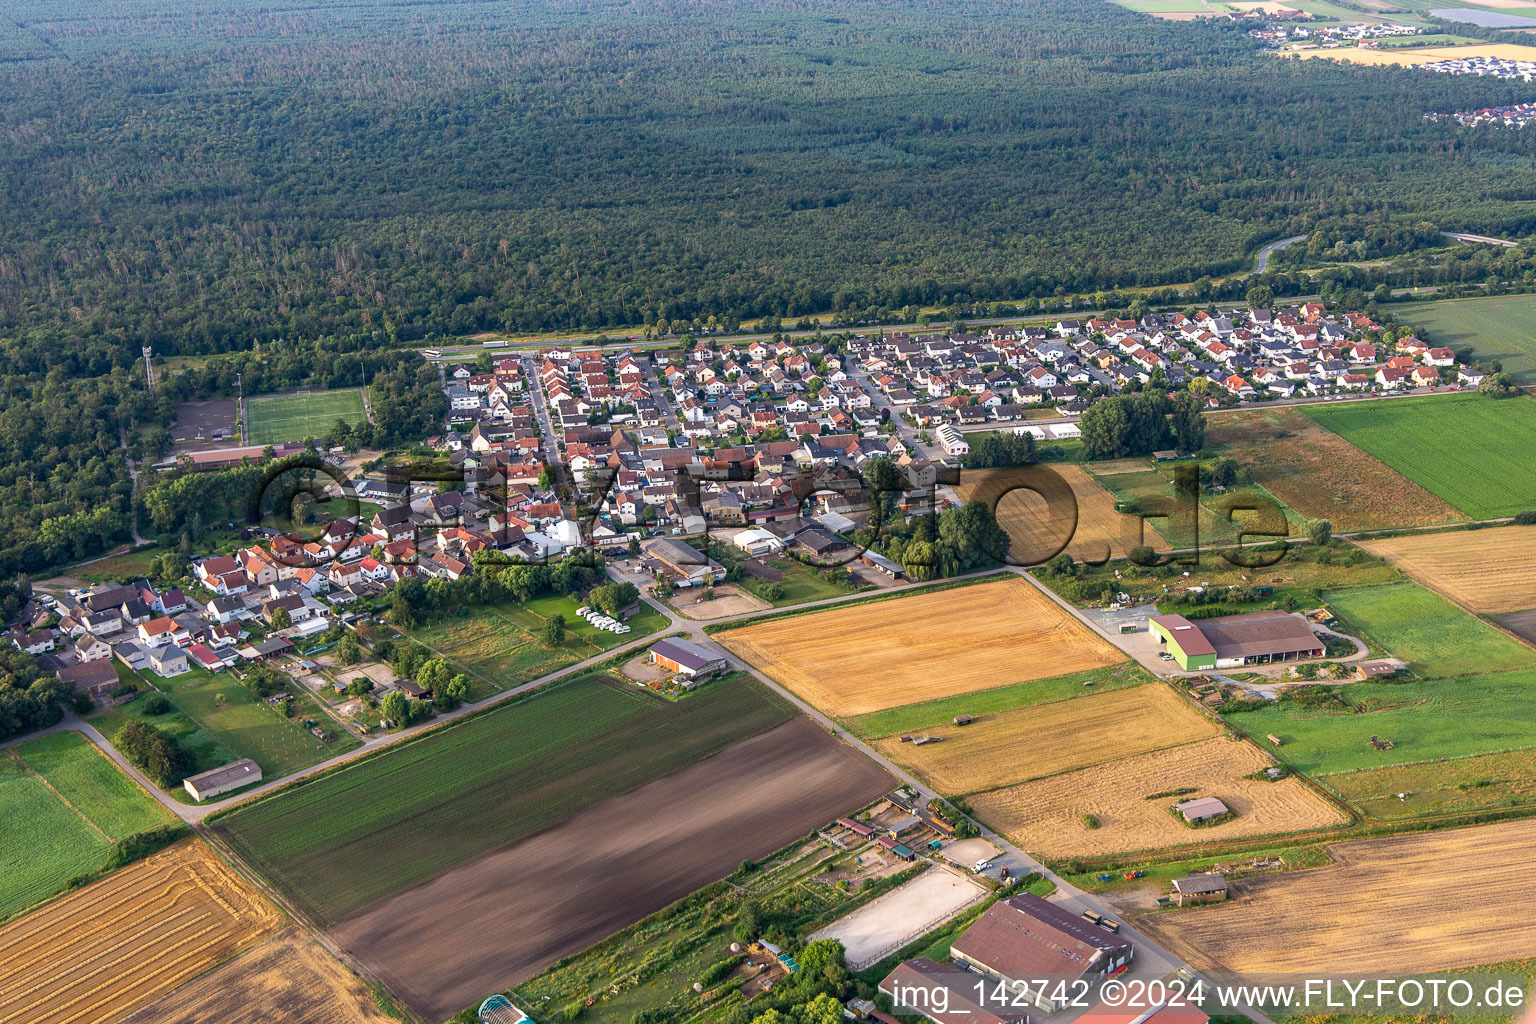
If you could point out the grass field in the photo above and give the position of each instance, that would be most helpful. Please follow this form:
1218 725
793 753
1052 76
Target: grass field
1003 698
1099 533
388 822
1469 450
869 657
498 648
1045 739
1434 636
1049 816
1482 781
1281 925
103 951
1483 570
1214 521
1425 719
63 804
274 419
1319 474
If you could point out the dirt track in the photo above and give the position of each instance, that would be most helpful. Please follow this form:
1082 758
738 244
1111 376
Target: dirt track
501 919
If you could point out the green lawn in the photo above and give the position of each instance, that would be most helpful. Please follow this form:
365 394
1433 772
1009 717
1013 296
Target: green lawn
1500 328
1003 698
1435 637
1219 515
274 419
215 732
1472 451
63 804
1425 719
391 821
497 646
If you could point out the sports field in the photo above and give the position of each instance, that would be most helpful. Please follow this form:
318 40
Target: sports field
1099 532
391 821
1321 475
1484 570
274 419
1424 719
102 951
1009 747
1434 636
1050 816
63 804
1468 449
1500 328
1386 912
906 650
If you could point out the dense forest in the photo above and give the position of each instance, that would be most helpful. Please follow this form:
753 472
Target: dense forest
199 175
299 189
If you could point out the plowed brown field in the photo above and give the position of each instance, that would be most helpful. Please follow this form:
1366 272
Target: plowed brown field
1100 533
290 979
1483 570
1384 907
997 750
851 661
1046 816
99 952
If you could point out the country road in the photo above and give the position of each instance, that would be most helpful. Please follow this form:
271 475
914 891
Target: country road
1262 263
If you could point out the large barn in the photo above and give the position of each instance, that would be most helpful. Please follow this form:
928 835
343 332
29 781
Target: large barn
1255 638
1026 937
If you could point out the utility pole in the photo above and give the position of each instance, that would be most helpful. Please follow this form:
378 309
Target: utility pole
240 406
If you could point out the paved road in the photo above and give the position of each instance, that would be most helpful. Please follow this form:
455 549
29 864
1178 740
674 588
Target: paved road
1463 237
1262 263
541 410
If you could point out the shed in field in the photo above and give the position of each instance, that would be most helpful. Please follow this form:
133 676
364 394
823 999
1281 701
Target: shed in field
1202 808
1205 888
222 779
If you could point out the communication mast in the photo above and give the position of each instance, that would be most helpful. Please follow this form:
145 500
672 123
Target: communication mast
149 370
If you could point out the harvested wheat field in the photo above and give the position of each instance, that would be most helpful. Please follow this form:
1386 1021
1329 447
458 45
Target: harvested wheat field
1482 570
1385 907
1048 817
1099 533
1413 58
101 951
883 654
1321 475
1002 749
290 978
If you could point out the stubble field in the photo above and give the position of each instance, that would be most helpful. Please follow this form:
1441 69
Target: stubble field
1100 532
1027 743
1384 907
1321 475
1483 570
1049 816
851 661
288 979
101 951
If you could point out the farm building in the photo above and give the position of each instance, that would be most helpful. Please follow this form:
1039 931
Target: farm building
881 564
1172 1012
222 779
1202 809
1199 889
1026 937
758 542
1377 669
944 995
686 659
1254 638
684 564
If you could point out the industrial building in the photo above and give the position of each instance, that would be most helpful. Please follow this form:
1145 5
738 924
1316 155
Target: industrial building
1255 638
1026 937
